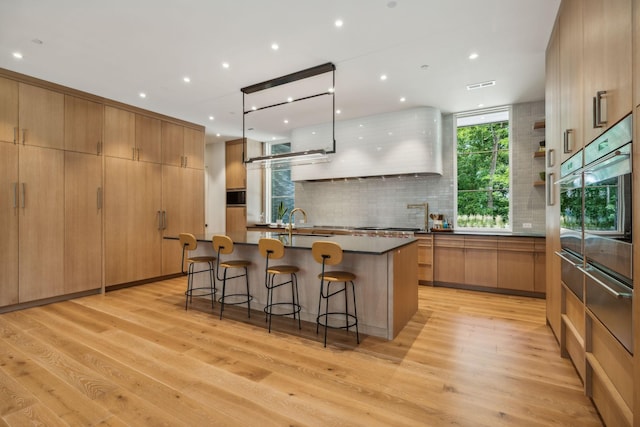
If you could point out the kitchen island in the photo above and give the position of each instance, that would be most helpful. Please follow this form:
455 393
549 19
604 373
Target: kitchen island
386 270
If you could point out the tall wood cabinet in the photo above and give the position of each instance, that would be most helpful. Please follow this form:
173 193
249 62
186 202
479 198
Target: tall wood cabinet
235 171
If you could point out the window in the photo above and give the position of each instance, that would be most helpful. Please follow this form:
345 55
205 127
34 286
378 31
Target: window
482 162
279 187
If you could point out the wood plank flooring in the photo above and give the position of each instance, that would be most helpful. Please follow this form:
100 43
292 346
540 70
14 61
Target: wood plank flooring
135 357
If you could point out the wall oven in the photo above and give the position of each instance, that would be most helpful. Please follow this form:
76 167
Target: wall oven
607 237
596 239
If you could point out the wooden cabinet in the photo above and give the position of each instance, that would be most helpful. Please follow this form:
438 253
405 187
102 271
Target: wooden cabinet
481 261
82 125
182 146
448 259
425 258
40 117
119 133
571 76
607 64
572 330
8 110
41 223
148 145
9 215
235 171
516 265
539 266
236 218
183 211
82 222
133 220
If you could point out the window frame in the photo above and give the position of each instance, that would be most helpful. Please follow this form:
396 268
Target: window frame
268 194
509 110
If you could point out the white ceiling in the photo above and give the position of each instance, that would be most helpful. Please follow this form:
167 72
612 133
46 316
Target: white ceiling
119 48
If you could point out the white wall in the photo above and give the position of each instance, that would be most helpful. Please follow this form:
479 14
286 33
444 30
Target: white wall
214 185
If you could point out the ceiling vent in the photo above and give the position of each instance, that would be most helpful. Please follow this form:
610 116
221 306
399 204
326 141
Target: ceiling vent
481 85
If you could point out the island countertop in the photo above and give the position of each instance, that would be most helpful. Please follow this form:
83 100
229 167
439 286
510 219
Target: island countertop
353 244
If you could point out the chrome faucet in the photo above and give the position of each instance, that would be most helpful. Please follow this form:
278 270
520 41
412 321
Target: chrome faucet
291 218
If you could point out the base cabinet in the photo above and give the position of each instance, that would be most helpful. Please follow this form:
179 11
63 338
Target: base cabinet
425 258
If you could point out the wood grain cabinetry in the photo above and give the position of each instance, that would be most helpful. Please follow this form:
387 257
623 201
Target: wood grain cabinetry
572 330
607 64
40 117
119 133
516 265
182 146
9 215
148 147
183 211
425 258
448 259
235 171
236 218
8 110
481 261
82 125
133 220
82 222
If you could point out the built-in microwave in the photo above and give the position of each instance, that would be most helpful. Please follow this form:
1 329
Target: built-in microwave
236 198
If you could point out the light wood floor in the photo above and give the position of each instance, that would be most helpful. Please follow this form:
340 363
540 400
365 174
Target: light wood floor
136 357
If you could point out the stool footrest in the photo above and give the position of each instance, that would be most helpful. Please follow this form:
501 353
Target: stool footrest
323 320
246 299
206 291
269 309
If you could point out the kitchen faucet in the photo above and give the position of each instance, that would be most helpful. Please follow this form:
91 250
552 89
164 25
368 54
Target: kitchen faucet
291 218
424 206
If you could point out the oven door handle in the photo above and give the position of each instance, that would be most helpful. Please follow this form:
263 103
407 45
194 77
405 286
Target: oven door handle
570 261
613 292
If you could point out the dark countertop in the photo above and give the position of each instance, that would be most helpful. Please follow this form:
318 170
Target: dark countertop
480 233
355 244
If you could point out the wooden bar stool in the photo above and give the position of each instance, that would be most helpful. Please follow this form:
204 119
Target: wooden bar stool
330 253
274 249
223 245
189 243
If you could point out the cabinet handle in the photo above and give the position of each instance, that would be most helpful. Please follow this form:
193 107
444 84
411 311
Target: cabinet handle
24 136
566 141
551 158
15 135
24 192
15 195
613 292
598 121
99 198
164 220
159 216
186 160
133 153
138 154
98 148
551 199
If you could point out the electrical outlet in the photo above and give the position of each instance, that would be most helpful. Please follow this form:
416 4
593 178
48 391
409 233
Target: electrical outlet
526 225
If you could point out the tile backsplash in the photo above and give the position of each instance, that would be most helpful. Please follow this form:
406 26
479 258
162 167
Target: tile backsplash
384 201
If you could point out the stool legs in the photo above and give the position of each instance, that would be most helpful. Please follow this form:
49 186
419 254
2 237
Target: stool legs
212 287
295 303
325 316
224 284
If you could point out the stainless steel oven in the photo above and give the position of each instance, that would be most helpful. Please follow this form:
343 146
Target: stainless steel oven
607 237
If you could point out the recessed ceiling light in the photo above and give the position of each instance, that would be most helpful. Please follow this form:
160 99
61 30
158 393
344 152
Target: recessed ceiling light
331 90
338 112
403 99
225 65
186 79
383 77
339 23
480 105
218 135
17 55
142 95
275 46
289 99
481 85
254 108
286 121
474 55
211 118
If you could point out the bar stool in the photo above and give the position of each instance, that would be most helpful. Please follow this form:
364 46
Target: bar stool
224 245
330 253
189 243
274 249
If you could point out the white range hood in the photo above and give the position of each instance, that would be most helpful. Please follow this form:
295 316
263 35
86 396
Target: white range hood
396 143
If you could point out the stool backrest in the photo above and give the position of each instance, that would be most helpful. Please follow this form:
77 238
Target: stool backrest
188 241
272 248
222 244
325 252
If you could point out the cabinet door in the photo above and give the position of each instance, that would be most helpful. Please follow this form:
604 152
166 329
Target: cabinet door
183 203
148 139
83 222
119 133
516 264
82 125
194 148
235 172
9 224
425 259
480 261
41 223
448 259
41 116
8 110
133 235
607 59
540 267
172 144
236 218
571 76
